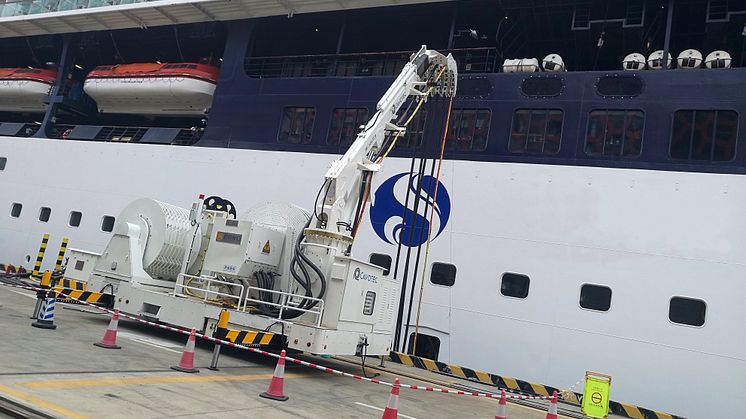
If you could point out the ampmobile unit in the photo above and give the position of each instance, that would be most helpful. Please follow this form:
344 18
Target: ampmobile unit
278 268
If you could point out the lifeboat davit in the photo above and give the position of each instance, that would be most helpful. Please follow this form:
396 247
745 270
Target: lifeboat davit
24 89
184 89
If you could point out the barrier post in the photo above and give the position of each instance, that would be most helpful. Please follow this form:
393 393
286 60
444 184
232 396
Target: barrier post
41 294
220 333
61 254
40 255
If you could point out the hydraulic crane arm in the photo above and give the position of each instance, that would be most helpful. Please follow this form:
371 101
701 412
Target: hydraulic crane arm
427 73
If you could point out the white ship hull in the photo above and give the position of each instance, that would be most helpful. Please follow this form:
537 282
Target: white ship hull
648 235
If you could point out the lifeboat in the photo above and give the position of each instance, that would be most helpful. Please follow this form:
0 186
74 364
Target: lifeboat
24 89
178 89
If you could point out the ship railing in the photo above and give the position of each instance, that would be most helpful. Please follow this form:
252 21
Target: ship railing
469 60
283 301
193 286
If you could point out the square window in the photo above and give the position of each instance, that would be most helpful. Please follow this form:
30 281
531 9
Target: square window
75 217
443 274
427 346
44 214
514 285
381 260
595 297
15 210
688 311
107 224
3 162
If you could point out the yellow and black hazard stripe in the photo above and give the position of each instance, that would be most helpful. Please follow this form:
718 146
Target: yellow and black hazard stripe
40 255
67 294
61 254
71 284
520 386
249 337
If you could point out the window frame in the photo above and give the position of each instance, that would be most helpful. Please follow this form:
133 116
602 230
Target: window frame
524 152
13 206
580 295
70 217
101 226
528 288
339 142
386 271
280 133
432 268
668 316
460 112
621 155
41 211
714 133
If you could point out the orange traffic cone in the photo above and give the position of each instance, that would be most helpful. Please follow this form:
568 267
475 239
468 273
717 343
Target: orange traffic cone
110 337
392 408
274 391
552 413
502 408
186 364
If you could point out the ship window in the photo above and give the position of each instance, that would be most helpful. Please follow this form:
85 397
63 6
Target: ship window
75 217
297 125
687 311
542 86
468 130
514 285
704 135
15 210
44 214
443 274
381 260
415 130
346 125
536 131
427 346
614 133
619 86
107 223
595 297
3 162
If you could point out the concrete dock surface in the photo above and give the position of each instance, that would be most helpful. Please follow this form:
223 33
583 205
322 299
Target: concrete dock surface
59 373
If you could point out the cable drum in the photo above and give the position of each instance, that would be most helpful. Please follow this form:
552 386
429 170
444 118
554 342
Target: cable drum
169 235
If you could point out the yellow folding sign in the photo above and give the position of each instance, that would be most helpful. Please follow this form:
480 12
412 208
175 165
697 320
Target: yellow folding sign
596 395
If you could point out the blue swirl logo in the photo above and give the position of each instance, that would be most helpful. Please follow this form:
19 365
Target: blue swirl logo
394 223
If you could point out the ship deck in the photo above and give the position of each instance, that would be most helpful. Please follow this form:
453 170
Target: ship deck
59 373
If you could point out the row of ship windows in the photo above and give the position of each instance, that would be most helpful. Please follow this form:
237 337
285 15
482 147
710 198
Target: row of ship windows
681 310
74 220
708 135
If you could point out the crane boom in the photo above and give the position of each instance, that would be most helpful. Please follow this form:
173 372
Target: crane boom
427 73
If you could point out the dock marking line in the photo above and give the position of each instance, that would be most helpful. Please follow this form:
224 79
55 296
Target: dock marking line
39 402
381 410
25 294
160 379
145 340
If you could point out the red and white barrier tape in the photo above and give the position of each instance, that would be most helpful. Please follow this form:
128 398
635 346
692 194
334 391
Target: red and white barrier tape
290 359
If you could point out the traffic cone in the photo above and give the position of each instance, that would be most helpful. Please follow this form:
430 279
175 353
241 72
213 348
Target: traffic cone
110 337
502 407
392 408
274 391
186 364
46 315
552 413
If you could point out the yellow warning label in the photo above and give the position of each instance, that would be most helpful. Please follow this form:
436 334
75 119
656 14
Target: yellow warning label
265 249
596 395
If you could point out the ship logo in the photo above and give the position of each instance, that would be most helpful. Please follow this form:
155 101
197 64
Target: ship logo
396 223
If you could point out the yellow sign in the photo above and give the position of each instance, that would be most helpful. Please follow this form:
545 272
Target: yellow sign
596 395
265 249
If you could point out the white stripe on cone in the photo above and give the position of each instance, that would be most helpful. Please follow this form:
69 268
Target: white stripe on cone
502 408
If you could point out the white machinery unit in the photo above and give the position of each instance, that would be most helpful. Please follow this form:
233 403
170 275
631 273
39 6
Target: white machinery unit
521 65
718 59
689 58
634 61
553 62
655 60
277 265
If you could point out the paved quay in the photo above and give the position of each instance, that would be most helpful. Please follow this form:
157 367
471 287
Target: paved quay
59 373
